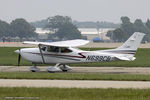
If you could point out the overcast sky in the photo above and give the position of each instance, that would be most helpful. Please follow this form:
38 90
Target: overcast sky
81 10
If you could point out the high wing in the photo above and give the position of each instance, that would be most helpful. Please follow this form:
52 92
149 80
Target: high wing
68 43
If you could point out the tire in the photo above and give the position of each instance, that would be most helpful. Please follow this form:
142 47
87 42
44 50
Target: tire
64 70
33 71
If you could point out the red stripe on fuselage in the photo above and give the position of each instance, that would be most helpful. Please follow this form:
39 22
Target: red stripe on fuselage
81 55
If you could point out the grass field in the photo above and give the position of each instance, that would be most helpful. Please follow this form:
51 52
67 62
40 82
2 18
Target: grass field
75 94
74 76
9 57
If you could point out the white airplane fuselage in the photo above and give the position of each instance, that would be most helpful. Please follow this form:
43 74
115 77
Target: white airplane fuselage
76 56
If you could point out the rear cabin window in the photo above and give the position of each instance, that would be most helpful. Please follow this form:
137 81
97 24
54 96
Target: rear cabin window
65 50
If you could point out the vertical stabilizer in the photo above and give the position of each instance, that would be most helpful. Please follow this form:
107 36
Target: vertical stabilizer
129 48
133 42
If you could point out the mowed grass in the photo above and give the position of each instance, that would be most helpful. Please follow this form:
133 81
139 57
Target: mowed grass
75 94
74 76
9 57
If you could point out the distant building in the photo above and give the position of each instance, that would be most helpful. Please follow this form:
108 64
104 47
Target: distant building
91 33
42 33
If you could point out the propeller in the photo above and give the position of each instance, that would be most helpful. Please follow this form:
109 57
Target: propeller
19 56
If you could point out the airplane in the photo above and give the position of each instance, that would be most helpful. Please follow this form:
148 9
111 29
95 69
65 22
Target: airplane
66 52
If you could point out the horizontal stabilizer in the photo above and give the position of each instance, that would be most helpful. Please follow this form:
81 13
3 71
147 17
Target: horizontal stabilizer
126 58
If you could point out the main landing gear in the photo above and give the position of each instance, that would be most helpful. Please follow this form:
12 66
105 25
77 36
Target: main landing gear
52 69
65 68
59 67
34 68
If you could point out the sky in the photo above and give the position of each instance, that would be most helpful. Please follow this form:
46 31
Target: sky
80 10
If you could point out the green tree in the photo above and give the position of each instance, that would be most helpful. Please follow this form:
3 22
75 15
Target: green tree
148 23
64 28
140 27
127 29
4 29
68 31
122 33
21 28
127 26
119 35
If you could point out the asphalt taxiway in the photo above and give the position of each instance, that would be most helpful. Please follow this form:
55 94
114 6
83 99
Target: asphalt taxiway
78 83
73 84
109 70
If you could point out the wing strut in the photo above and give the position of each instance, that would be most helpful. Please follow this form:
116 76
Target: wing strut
41 53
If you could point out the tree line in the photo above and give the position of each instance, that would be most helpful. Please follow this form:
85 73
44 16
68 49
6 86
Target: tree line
63 28
17 28
127 28
84 24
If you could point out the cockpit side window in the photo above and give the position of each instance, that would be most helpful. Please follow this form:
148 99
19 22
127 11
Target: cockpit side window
52 49
58 49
